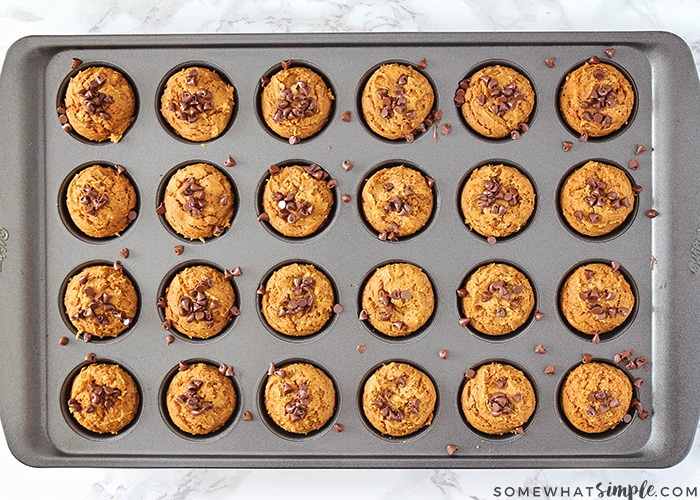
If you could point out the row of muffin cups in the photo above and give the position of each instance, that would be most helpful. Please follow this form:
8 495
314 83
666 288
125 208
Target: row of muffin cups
298 399
297 199
295 100
496 301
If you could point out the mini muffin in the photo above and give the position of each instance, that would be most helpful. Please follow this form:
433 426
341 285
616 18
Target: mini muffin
103 398
298 300
596 99
397 202
499 299
200 399
496 101
101 301
596 397
498 399
200 302
296 103
596 199
297 200
100 104
497 200
398 299
198 202
399 399
101 201
396 100
596 298
197 104
299 397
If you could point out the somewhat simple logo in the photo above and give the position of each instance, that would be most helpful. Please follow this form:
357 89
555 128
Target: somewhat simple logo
694 263
4 236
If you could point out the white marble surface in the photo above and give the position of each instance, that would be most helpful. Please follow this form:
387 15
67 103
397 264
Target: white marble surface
19 18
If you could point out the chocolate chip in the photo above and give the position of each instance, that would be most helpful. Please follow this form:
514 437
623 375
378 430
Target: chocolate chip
550 62
169 339
338 428
587 358
361 348
446 129
583 137
263 217
538 315
491 240
469 374
637 189
640 149
167 324
132 215
615 266
337 309
567 145
627 418
160 209
634 164
293 140
515 135
596 339
75 62
247 416
347 116
264 81
332 184
540 349
422 64
178 249
347 165
63 341
452 449
230 162
549 370
346 198
364 315
443 354
90 357
594 60
463 322
520 430
286 64
609 52
651 213
117 265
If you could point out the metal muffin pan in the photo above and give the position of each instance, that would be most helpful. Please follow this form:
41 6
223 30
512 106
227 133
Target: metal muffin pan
39 251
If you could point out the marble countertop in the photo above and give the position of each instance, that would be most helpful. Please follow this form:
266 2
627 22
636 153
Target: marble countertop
19 18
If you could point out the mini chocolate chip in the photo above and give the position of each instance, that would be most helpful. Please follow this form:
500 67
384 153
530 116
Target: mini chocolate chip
515 135
361 348
263 217
446 129
347 165
627 418
443 354
540 349
583 137
491 240
538 315
550 62
422 64
91 357
261 290
594 60
587 358
75 62
167 324
640 149
63 341
169 339
567 145
160 209
469 374
634 164
118 265
364 315
247 416
596 339
549 370
452 449
610 52
178 249
332 184
124 253
293 140
346 198
615 266
286 64
637 189
651 213
337 309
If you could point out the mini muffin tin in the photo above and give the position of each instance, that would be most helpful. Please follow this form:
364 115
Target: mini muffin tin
39 251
